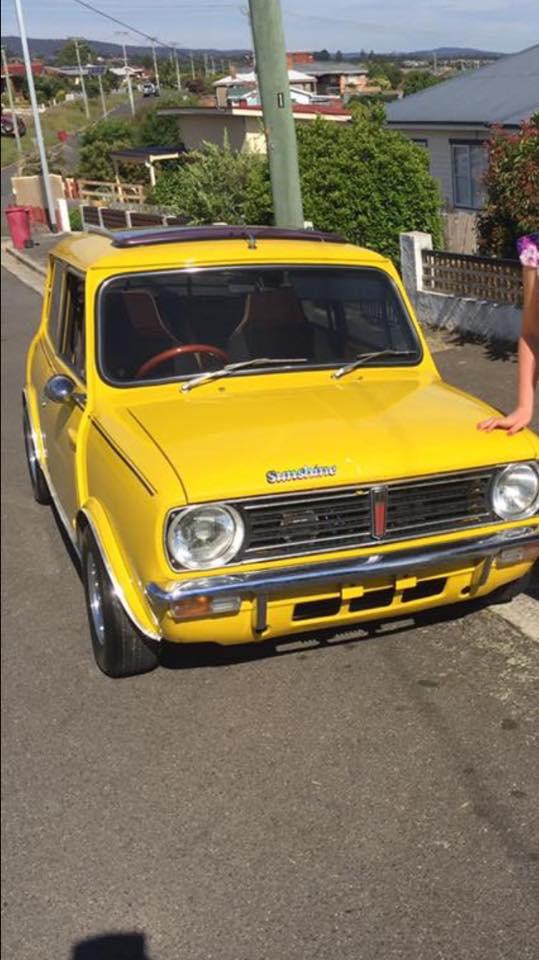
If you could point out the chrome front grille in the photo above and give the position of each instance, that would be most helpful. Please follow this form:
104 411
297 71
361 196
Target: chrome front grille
309 522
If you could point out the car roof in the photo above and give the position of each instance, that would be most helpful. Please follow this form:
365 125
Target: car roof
95 251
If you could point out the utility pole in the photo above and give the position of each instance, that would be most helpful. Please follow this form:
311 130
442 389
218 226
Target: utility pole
178 76
82 83
155 70
272 73
213 65
127 75
192 65
102 95
16 130
37 119
205 64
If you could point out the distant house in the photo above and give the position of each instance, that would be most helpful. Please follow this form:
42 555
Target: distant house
241 125
453 119
17 74
334 77
228 88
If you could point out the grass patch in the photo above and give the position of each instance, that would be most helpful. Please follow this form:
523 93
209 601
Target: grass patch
66 116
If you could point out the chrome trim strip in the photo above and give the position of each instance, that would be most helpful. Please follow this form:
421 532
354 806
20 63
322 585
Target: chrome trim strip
268 582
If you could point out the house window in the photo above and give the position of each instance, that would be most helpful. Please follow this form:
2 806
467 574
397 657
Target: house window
420 142
468 164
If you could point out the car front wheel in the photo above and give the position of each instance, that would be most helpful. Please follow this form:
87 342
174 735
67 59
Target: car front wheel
37 479
119 649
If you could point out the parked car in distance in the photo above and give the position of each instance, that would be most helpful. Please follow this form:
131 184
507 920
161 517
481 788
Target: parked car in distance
150 89
7 124
246 438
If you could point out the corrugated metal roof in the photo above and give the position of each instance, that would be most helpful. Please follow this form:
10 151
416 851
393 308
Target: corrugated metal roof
505 92
325 67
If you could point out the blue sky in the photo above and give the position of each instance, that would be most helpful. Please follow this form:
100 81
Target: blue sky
309 24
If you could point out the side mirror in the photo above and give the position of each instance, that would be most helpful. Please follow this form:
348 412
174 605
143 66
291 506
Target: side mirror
59 389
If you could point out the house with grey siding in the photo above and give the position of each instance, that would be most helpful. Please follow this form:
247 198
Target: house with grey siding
453 119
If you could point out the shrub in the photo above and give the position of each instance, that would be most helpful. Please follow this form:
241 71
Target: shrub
75 218
97 142
214 184
367 182
512 184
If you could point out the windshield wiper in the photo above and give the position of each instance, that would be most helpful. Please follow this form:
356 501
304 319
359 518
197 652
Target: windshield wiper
364 357
242 365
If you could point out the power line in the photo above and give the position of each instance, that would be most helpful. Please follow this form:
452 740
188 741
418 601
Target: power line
122 23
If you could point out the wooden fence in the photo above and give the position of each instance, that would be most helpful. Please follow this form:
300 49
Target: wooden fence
103 191
481 278
116 218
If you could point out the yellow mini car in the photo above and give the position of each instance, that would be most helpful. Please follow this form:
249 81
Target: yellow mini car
246 438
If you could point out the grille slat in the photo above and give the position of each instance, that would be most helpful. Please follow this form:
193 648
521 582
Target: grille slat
301 523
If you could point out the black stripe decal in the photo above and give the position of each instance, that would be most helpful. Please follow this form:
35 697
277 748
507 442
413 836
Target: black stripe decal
102 432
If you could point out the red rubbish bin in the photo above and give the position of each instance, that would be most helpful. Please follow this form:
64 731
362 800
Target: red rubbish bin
62 136
18 221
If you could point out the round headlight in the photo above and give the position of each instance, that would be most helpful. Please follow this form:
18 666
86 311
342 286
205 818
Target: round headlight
207 536
515 492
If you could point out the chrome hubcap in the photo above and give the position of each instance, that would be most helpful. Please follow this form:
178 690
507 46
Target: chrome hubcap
95 598
30 452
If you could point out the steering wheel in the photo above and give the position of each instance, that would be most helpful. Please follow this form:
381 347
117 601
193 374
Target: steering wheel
176 352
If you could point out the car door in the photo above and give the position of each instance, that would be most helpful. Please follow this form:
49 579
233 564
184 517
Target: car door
61 421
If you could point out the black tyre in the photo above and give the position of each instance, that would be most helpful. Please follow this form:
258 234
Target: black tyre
119 648
39 484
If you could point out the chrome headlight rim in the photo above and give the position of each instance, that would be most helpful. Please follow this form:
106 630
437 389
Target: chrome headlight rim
178 514
531 510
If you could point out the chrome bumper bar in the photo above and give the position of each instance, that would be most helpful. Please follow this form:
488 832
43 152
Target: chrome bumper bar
264 583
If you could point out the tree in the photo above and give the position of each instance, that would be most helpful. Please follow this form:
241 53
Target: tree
512 184
418 80
322 54
380 71
66 56
158 131
338 56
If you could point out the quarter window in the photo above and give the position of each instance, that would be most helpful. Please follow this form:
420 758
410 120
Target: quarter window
73 346
55 303
468 164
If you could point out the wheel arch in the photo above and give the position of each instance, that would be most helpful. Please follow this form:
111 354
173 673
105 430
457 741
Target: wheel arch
126 584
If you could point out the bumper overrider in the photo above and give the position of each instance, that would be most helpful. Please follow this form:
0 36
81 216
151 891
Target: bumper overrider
223 593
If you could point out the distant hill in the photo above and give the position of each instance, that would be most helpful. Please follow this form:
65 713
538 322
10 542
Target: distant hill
47 49
443 53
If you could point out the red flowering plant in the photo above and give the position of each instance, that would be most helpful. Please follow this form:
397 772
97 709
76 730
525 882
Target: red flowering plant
512 186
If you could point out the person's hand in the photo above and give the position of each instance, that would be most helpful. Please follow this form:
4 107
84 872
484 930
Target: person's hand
514 422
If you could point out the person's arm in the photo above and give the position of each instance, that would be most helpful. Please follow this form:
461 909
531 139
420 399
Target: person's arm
528 360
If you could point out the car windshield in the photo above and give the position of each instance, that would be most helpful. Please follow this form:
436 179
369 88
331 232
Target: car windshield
176 325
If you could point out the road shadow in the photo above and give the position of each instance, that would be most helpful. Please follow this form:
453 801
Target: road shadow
194 656
111 946
504 350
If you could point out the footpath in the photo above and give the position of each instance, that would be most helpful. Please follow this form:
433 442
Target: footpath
487 369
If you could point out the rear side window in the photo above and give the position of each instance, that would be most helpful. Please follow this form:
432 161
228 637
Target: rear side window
72 337
54 320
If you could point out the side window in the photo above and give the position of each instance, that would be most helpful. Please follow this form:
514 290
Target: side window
73 346
55 303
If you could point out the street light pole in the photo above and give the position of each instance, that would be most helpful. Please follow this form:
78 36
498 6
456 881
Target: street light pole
128 79
155 70
178 76
82 83
192 65
37 119
272 73
102 95
11 102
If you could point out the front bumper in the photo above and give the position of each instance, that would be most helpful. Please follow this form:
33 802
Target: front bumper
514 547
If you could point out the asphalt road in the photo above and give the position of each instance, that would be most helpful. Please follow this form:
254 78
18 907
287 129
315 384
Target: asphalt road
370 799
